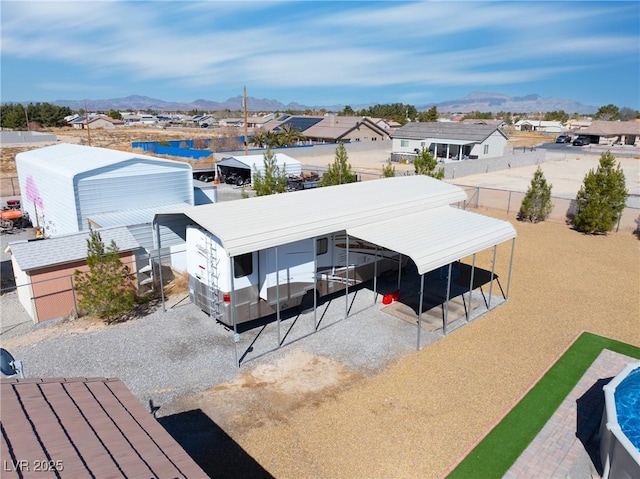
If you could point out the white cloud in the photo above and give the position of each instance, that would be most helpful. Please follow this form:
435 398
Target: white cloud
361 45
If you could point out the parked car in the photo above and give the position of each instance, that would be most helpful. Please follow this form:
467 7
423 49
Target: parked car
563 139
581 141
204 125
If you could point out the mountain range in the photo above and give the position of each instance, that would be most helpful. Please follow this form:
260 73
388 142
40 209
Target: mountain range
477 101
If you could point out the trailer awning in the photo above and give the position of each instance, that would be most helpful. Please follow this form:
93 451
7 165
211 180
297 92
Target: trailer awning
436 237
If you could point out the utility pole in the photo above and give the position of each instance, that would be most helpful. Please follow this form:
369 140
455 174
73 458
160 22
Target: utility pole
246 134
86 114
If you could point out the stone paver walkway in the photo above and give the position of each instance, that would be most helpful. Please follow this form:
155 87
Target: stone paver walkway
567 446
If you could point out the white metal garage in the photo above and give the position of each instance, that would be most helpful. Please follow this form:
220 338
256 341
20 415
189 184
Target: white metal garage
66 188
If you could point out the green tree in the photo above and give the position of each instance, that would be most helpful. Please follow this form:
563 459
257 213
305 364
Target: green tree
607 112
13 116
261 138
479 115
428 116
288 136
388 170
340 171
601 198
559 115
116 115
106 289
273 180
347 111
536 205
425 164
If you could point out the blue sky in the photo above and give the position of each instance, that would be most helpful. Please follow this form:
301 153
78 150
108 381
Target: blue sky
320 53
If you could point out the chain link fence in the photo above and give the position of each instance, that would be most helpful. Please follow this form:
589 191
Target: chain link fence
56 296
509 202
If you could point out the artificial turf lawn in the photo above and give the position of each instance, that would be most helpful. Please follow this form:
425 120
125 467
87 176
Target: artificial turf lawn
495 454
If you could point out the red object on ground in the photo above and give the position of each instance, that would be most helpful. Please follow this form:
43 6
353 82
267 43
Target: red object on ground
391 297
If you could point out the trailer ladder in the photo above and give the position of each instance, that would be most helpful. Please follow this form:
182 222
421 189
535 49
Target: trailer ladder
214 301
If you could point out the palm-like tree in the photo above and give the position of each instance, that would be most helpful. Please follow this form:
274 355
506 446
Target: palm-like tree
287 136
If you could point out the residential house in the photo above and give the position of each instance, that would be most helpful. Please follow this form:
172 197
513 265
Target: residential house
481 121
331 128
95 122
540 125
448 140
613 132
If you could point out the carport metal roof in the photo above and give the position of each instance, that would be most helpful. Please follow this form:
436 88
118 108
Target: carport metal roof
268 221
436 237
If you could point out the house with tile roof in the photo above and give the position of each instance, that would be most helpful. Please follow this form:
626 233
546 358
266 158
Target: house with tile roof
448 140
613 132
331 128
84 427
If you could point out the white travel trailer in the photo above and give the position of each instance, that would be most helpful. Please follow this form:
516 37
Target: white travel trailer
249 258
286 275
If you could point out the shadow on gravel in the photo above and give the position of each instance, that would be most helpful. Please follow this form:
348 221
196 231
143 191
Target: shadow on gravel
210 447
139 311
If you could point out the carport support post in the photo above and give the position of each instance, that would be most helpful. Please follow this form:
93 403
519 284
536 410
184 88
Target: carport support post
493 267
346 295
420 310
473 270
375 276
513 247
236 336
315 283
278 295
164 309
446 311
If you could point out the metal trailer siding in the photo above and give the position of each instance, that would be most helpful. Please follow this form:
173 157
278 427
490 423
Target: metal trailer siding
47 196
132 185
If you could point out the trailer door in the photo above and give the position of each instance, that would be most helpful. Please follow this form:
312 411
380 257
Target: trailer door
294 273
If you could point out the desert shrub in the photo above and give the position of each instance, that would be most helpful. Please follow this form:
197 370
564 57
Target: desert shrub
106 290
536 205
601 198
339 171
388 170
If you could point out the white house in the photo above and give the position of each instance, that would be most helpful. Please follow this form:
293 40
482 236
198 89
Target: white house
539 125
449 140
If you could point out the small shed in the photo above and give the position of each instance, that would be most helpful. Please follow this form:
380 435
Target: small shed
244 166
44 269
84 427
69 188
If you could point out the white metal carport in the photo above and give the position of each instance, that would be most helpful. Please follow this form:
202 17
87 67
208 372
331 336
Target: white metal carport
439 237
410 215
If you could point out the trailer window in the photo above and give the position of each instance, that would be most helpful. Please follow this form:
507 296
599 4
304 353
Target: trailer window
322 246
243 265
